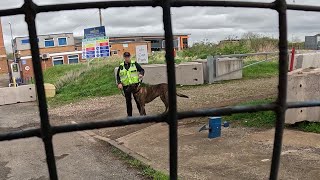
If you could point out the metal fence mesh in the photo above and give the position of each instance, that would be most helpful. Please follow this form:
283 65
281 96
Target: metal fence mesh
46 132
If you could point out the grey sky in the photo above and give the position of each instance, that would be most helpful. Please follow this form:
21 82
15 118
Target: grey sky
211 23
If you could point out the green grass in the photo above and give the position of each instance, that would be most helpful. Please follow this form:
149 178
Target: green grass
261 70
99 81
53 74
307 126
265 119
146 170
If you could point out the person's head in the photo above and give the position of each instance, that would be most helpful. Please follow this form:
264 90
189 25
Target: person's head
126 56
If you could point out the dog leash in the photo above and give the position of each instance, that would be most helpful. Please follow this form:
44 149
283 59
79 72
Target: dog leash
140 81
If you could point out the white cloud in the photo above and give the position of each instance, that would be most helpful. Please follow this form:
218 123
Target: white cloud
213 23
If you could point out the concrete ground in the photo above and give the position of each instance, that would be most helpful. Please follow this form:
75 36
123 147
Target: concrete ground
240 153
78 156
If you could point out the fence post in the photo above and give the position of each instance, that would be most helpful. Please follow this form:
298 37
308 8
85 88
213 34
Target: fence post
210 67
292 59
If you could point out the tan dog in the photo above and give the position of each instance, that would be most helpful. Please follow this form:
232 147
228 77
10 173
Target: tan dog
147 94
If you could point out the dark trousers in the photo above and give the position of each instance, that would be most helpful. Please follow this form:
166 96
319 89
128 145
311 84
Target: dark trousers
128 96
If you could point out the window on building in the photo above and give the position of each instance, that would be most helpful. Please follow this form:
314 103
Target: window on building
57 60
26 41
185 42
114 52
73 59
49 42
62 41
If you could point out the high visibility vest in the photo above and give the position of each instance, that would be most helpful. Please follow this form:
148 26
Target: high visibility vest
130 76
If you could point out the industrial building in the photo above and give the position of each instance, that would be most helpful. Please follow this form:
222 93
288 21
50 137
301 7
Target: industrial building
128 42
64 48
312 42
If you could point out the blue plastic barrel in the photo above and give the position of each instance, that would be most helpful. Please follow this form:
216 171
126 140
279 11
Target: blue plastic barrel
215 127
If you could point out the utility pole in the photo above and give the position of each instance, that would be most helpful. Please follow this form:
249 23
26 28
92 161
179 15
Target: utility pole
100 17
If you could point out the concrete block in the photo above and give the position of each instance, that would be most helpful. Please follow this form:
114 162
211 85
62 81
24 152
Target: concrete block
155 74
302 61
12 95
303 85
228 69
26 93
186 73
204 63
190 73
9 95
50 90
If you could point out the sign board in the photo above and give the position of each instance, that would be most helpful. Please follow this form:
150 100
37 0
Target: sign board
15 70
94 32
27 68
95 47
142 54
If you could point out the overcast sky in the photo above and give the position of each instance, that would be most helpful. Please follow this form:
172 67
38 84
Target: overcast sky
213 24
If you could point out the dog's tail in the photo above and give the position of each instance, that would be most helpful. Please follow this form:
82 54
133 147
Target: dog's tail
182 95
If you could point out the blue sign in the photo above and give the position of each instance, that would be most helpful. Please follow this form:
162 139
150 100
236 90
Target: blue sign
94 32
104 47
90 56
90 52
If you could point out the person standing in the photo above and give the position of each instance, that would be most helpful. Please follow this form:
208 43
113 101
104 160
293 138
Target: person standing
129 73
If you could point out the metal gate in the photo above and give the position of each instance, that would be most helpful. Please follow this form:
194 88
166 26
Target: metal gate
46 132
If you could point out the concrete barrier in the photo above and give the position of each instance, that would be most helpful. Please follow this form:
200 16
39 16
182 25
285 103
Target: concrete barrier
303 85
204 63
302 61
228 69
190 73
12 95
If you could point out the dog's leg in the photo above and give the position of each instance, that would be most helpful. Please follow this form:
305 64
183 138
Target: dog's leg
165 101
143 110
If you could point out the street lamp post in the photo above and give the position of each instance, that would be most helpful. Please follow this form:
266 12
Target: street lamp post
14 57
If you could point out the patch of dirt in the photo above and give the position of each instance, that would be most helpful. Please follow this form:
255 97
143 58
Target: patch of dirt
210 96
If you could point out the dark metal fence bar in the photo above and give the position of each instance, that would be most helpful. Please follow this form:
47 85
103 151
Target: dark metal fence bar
30 15
243 4
226 111
105 124
281 7
153 119
303 104
280 106
154 3
171 75
303 7
20 134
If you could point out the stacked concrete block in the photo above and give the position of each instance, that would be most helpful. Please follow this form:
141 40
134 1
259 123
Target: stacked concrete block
228 68
190 73
303 85
12 95
186 73
225 69
204 63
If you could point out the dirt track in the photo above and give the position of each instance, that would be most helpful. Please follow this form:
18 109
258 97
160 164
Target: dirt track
113 107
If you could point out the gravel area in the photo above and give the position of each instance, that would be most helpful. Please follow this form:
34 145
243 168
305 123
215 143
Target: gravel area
113 107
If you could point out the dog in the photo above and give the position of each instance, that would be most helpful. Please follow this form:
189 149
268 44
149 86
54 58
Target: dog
148 93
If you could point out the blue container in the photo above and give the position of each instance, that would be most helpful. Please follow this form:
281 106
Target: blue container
214 127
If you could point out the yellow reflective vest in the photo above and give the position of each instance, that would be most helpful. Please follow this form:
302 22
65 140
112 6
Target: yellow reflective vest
130 76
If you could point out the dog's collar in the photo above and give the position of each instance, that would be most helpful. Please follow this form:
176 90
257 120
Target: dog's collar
137 90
